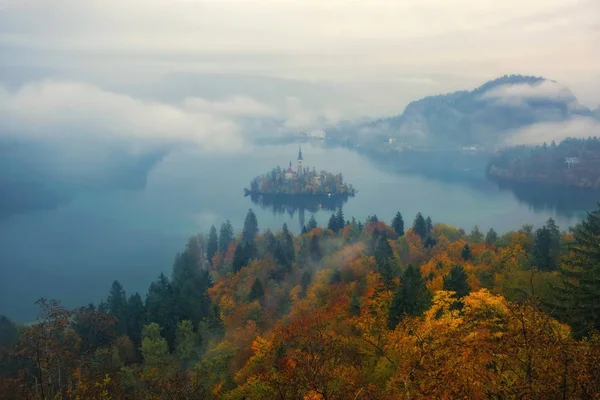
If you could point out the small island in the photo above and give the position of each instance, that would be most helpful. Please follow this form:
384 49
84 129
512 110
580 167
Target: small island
300 182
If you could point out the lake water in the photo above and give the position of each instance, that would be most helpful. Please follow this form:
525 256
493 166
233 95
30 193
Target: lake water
74 252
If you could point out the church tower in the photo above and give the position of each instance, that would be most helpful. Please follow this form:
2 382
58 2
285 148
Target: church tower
300 171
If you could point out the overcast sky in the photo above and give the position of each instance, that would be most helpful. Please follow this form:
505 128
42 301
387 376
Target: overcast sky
416 46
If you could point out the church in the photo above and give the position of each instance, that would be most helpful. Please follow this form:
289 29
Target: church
289 172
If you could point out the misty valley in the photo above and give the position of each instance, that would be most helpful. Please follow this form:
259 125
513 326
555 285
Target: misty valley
228 249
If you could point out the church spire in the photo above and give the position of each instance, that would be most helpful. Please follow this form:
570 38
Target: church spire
300 171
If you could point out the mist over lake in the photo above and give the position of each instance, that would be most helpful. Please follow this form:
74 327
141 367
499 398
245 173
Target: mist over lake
74 251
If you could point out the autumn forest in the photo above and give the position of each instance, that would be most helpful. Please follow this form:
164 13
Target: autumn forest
359 310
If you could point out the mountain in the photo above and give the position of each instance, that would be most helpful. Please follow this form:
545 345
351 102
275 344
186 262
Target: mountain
481 116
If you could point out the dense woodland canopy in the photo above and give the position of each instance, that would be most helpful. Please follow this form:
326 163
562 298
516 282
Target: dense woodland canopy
359 310
548 163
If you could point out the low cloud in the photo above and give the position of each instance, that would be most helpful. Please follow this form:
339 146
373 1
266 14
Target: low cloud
72 136
577 127
520 94
236 106
54 111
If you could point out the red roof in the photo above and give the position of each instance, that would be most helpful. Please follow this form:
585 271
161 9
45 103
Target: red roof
290 170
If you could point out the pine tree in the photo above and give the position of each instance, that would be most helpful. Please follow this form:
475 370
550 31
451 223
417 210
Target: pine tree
136 318
577 299
250 227
304 230
398 224
117 307
333 223
476 236
466 252
456 281
314 249
213 244
420 226
384 258
546 248
491 237
287 243
257 292
240 257
305 281
161 307
412 297
354 305
225 236
371 218
312 223
341 223
428 225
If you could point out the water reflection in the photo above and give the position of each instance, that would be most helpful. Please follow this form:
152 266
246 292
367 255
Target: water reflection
291 205
570 202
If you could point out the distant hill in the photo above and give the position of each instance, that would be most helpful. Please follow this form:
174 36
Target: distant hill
481 116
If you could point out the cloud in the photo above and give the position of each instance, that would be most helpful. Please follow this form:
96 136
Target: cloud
544 90
81 134
236 106
377 46
66 110
577 127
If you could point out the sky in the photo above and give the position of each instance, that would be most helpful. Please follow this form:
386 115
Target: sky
425 46
148 73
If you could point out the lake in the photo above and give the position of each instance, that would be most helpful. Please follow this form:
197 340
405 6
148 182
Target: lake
74 252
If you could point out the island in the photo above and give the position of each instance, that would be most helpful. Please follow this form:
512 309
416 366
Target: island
299 182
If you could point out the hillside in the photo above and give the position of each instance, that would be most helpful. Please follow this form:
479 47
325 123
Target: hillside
481 116
548 164
364 311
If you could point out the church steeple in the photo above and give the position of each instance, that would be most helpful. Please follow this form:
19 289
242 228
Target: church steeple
300 170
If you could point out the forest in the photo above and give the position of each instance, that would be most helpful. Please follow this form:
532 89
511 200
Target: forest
548 164
355 310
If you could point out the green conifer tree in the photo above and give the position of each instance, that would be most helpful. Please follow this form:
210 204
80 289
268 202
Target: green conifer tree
412 297
225 236
398 224
577 299
466 253
312 223
384 257
420 226
250 227
341 222
257 292
333 223
117 307
212 246
491 237
456 281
